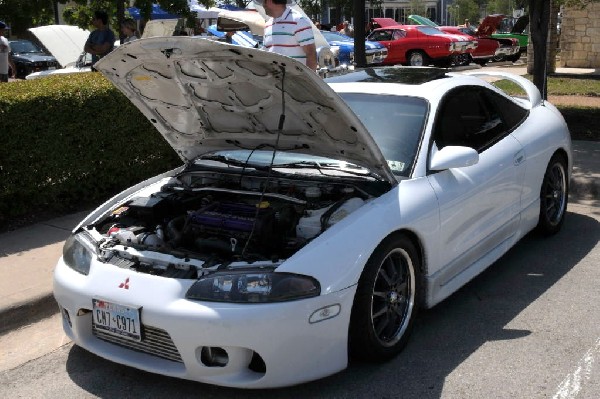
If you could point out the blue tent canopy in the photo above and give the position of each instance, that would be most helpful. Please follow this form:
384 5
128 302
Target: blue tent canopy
157 13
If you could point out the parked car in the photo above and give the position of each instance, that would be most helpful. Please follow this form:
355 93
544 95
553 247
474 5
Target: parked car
29 57
419 45
500 27
484 52
344 47
311 219
66 43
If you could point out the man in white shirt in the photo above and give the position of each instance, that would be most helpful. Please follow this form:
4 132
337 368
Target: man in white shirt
289 33
5 59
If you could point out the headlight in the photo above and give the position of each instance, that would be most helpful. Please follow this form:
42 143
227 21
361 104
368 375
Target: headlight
253 287
77 255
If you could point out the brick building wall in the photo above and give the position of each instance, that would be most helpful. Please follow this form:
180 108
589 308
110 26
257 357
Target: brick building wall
580 37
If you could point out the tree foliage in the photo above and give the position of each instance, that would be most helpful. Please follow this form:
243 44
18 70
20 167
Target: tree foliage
23 14
464 9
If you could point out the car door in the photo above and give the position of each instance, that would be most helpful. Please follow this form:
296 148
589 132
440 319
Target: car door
393 40
479 205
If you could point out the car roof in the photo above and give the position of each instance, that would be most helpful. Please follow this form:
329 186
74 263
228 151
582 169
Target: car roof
403 75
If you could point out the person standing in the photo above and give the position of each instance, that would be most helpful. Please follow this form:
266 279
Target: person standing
5 58
102 40
289 33
129 29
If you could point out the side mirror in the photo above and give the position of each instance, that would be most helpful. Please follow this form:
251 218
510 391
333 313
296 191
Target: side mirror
452 157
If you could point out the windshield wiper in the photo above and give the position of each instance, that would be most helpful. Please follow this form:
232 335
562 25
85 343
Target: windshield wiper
231 161
324 166
309 164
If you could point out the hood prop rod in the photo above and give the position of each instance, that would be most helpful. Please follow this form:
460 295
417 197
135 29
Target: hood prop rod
275 148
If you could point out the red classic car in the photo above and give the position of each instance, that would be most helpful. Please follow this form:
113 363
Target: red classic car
486 48
511 44
418 45
489 48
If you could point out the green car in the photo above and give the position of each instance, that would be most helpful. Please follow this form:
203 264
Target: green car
512 28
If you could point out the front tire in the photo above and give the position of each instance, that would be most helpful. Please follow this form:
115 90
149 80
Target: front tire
386 301
554 196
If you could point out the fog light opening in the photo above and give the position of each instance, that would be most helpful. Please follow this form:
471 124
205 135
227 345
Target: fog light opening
66 316
257 364
213 356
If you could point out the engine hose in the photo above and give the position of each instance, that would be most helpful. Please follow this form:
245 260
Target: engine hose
175 230
327 214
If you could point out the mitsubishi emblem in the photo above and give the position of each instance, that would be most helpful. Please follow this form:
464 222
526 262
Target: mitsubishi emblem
125 284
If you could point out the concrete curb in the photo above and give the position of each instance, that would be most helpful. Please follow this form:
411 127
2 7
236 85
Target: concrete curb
27 312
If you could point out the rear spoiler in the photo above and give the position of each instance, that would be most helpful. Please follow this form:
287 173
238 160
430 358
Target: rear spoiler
533 94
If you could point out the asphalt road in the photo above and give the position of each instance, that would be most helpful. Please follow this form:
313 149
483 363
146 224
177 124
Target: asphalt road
528 327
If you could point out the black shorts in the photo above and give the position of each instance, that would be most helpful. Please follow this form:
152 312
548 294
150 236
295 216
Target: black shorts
3 77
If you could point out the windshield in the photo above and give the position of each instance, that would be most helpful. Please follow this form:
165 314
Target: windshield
24 47
284 162
331 37
396 124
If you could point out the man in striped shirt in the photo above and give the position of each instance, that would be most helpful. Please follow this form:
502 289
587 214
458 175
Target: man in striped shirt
289 33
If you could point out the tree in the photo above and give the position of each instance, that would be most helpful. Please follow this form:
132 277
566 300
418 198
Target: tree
81 12
464 9
24 14
417 7
539 27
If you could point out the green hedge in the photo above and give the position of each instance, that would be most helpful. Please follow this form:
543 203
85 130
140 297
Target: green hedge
70 142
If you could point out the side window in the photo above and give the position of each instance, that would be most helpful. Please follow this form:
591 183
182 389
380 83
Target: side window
382 35
469 117
512 113
399 34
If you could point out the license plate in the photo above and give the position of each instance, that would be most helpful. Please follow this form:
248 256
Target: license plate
120 320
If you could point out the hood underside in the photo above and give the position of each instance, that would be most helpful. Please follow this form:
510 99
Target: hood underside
205 96
65 42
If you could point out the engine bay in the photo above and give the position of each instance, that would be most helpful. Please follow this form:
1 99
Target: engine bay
217 219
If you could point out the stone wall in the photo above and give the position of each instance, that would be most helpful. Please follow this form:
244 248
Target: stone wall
580 37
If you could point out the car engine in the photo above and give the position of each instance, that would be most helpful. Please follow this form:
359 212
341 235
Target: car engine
219 219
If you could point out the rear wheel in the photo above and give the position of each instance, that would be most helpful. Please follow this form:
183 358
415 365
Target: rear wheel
554 195
417 58
386 300
481 62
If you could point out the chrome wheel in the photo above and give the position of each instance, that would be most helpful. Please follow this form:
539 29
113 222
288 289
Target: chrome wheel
416 58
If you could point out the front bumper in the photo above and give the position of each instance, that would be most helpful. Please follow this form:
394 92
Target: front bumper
507 50
376 56
293 349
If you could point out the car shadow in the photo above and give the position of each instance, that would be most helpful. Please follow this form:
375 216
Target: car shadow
443 338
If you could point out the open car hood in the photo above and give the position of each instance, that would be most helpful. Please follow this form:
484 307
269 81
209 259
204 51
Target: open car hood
65 42
205 96
385 22
250 20
489 24
419 20
160 27
521 24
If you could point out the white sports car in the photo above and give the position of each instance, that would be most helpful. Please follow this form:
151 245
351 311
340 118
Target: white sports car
311 219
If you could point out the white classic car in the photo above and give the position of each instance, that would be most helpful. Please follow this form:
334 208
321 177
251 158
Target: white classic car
311 219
